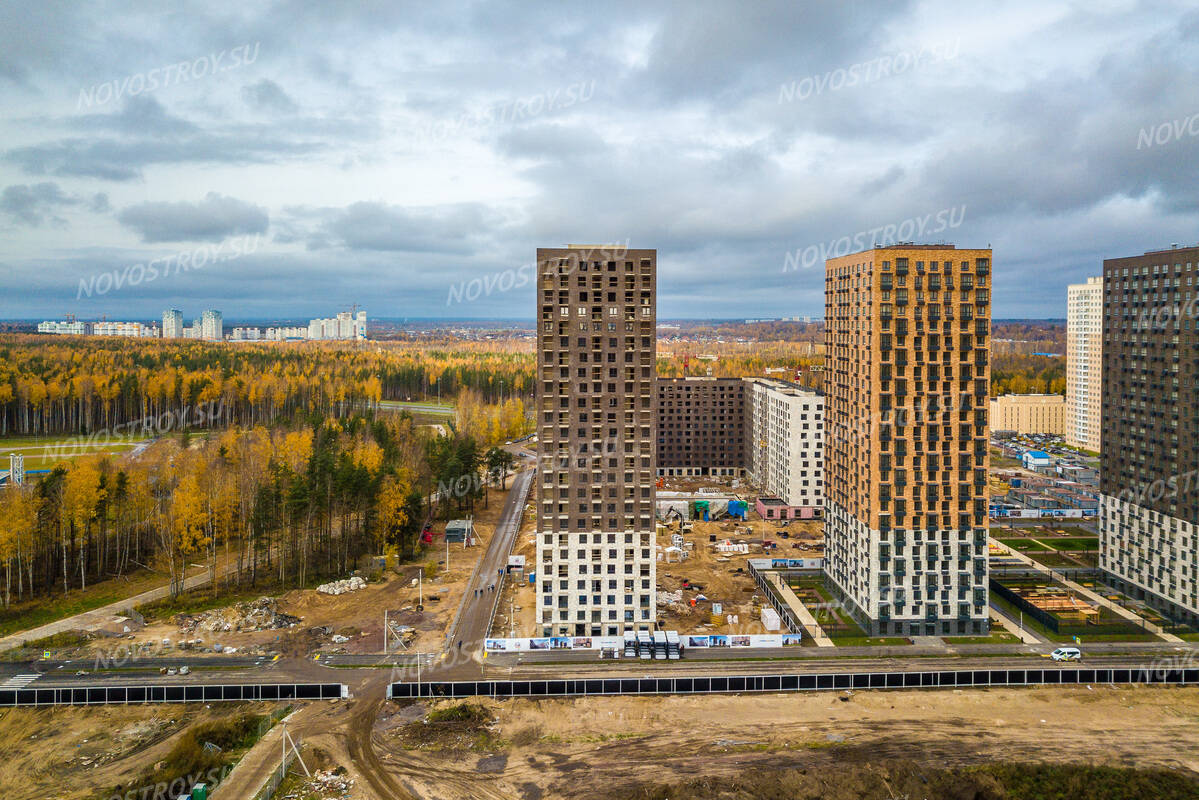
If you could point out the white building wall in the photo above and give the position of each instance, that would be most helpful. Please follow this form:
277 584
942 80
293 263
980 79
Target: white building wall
1151 550
786 448
1084 363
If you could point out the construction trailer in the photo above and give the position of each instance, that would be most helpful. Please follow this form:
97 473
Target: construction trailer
460 531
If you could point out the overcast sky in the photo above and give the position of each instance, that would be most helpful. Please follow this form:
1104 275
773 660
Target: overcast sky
411 157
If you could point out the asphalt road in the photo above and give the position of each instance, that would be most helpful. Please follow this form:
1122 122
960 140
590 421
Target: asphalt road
475 617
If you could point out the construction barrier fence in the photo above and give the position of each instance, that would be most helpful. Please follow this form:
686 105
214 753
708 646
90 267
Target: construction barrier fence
203 693
721 684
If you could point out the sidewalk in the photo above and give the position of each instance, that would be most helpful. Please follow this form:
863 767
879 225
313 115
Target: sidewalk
1093 596
1026 636
801 611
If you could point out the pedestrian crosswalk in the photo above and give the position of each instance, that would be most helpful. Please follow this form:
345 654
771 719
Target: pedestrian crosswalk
17 681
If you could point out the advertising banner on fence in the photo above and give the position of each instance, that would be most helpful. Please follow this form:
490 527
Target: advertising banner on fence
553 643
1040 513
740 640
617 643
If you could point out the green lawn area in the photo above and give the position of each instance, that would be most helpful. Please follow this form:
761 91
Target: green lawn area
1019 543
994 638
1074 543
1056 560
44 452
868 641
33 613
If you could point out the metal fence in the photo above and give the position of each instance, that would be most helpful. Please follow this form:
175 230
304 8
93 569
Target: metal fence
955 679
272 785
202 693
786 615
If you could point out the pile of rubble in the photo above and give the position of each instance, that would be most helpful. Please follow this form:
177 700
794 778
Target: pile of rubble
324 783
257 615
670 598
342 586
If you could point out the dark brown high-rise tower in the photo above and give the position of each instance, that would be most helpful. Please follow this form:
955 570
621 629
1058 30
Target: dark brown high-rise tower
596 348
1149 485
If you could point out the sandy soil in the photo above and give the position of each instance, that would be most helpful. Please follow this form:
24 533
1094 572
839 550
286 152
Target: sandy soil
598 747
69 753
724 577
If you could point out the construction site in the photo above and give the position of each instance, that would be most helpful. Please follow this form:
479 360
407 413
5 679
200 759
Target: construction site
705 536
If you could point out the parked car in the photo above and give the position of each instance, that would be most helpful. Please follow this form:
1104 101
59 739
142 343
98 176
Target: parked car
1066 654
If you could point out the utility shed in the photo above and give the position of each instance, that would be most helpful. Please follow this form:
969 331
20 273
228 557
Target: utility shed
459 530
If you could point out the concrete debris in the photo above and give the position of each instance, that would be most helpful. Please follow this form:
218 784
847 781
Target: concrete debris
342 586
322 784
670 598
257 615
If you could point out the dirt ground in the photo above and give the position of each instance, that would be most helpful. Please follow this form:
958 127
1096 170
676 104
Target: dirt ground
604 747
357 615
70 753
724 577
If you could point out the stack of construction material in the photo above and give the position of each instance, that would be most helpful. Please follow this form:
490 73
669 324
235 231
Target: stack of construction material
342 586
770 619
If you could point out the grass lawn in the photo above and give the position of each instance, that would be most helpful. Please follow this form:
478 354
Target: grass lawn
1056 560
868 641
994 638
40 611
1021 544
1075 543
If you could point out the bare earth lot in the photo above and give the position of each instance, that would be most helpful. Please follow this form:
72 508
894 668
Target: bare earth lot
607 747
75 753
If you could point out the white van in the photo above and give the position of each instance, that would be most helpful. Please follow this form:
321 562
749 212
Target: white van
1066 654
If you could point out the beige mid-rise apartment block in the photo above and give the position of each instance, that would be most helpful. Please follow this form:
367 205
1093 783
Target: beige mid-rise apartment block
596 414
1084 363
907 376
1029 413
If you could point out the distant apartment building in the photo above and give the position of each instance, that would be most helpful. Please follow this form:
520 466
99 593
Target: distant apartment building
134 329
69 327
785 448
906 383
1084 363
246 335
342 327
1149 480
285 333
1029 413
172 324
596 400
701 426
212 328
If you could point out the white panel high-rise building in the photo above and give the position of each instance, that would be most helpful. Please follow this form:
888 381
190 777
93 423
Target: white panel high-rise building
1084 363
211 326
172 324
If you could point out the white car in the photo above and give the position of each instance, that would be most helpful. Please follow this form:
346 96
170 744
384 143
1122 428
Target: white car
1066 654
